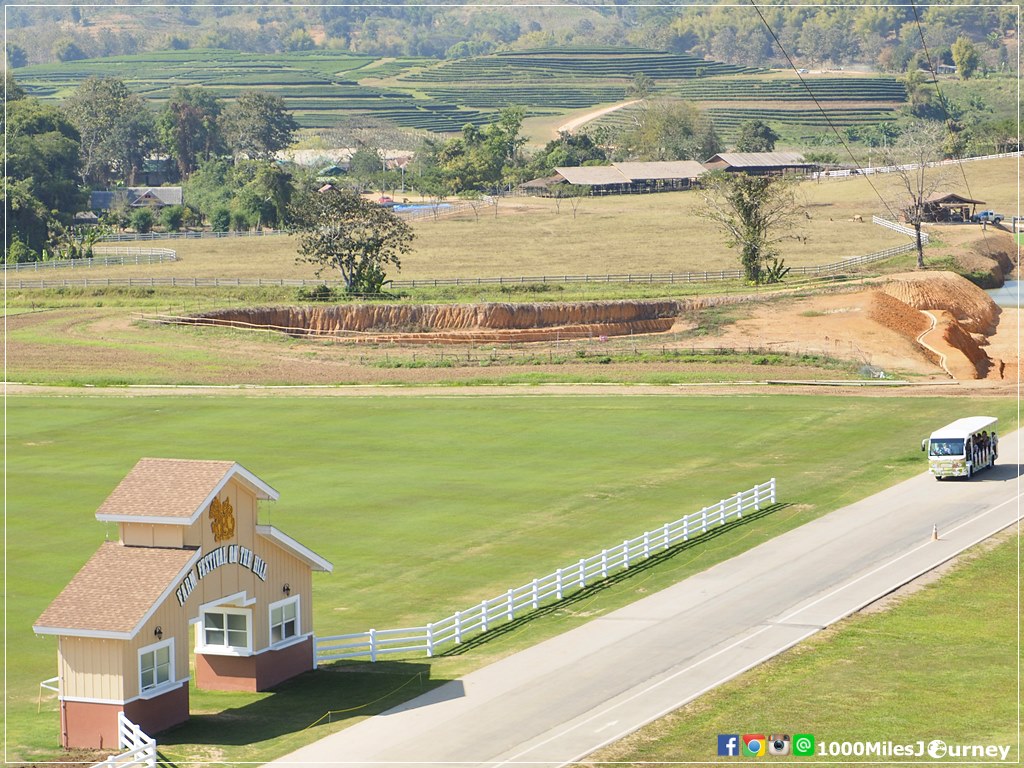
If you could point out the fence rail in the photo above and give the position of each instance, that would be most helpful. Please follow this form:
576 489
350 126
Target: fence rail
105 256
851 173
139 749
553 587
818 270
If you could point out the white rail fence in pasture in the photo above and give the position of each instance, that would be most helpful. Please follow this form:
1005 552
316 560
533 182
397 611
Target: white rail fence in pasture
555 586
139 749
901 228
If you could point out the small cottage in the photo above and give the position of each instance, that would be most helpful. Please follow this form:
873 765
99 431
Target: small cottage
191 556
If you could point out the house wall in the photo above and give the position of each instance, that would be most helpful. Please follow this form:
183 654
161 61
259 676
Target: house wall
173 622
91 668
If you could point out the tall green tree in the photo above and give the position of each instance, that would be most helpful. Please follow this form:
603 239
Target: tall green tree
669 130
190 129
756 136
568 150
484 159
257 125
965 56
42 165
340 230
116 128
755 213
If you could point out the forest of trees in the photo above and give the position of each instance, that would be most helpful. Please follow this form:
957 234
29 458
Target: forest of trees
887 37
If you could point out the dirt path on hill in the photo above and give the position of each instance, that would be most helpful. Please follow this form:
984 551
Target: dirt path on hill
577 122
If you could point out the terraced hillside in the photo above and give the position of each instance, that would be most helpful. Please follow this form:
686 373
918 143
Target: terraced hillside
323 87
319 87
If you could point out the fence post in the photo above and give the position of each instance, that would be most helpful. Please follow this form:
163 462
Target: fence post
483 615
373 644
665 534
739 506
625 553
458 627
647 544
771 498
686 528
510 610
583 572
316 654
534 601
604 563
558 584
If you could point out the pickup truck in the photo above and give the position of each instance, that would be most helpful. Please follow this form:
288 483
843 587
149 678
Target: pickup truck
987 216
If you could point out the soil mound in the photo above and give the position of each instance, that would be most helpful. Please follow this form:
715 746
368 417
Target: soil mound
957 338
970 305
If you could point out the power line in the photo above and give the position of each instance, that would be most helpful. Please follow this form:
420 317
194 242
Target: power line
821 109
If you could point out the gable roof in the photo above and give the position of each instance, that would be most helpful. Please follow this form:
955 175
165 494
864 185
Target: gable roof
116 591
953 197
757 159
101 200
174 491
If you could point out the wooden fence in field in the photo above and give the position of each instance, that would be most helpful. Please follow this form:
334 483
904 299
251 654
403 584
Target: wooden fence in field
456 628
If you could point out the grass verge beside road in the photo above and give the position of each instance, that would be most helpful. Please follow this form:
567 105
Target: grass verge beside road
426 506
941 664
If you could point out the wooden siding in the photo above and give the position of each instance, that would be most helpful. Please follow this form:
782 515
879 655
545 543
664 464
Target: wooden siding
92 668
149 535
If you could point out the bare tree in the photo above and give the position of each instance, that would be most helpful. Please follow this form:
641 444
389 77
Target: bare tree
914 180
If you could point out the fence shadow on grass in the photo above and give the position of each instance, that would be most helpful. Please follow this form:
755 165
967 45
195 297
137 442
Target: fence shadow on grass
306 702
611 580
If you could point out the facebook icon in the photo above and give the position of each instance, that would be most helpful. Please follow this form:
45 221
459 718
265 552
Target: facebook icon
728 744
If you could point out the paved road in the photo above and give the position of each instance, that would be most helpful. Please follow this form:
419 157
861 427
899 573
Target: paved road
559 701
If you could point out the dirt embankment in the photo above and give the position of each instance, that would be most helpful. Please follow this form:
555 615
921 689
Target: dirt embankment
964 317
465 323
990 258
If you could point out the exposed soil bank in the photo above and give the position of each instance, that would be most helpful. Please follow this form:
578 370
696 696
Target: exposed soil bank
465 322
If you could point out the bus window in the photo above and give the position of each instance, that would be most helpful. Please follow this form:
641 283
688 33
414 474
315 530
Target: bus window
946 448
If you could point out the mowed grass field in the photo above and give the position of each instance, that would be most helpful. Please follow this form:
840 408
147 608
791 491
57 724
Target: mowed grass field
634 234
427 505
952 648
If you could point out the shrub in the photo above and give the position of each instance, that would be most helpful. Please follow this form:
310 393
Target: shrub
172 217
142 220
322 292
220 219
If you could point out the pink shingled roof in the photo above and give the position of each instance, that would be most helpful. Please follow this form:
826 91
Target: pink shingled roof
173 488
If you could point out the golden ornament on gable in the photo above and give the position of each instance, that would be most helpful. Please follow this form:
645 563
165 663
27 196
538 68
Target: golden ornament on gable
222 519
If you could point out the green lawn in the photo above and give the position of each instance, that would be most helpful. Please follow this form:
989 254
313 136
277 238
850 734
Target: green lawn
942 664
426 506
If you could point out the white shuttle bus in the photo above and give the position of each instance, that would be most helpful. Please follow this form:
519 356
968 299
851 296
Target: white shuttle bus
962 448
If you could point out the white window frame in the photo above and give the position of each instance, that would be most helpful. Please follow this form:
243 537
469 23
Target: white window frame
298 622
158 687
224 650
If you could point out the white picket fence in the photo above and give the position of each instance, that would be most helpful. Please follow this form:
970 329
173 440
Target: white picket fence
901 228
515 602
850 173
139 749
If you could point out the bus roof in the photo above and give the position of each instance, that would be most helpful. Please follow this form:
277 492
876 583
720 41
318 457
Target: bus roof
964 428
